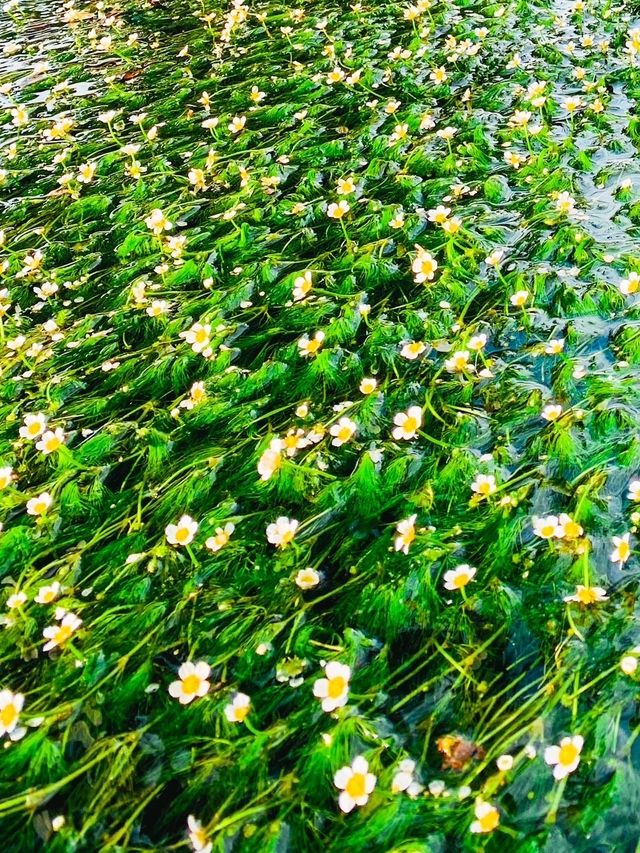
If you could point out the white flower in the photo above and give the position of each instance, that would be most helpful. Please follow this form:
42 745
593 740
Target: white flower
565 757
459 362
183 532
158 222
10 706
57 635
355 784
270 460
407 423
631 284
369 385
487 817
424 266
504 762
236 125
307 578
568 528
221 537
281 531
519 298
406 533
622 549
459 577
546 527
51 441
48 594
192 682
199 336
412 349
34 426
554 346
17 599
587 595
494 259
39 505
404 779
309 347
565 203
197 836
551 412
629 664
302 286
342 431
477 342
634 490
236 711
333 689
337 211
484 485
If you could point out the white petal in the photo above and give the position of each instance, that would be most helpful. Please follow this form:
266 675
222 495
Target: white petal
360 764
202 669
321 688
186 670
342 776
559 772
346 802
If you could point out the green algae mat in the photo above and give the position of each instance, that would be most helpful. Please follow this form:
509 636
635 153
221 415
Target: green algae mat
320 426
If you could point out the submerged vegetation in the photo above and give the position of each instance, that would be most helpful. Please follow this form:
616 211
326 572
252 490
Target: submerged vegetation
319 455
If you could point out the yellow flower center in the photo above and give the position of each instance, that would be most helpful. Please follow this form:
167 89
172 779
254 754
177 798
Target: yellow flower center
547 530
34 428
336 687
199 837
408 536
190 684
623 551
62 634
287 536
586 596
201 336
344 434
314 345
572 530
461 580
355 787
568 754
484 488
489 821
241 713
410 425
8 715
182 535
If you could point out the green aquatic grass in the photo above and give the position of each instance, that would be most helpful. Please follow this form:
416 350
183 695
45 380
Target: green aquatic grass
319 364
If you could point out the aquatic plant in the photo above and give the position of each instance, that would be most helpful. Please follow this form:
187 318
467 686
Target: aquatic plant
319 456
